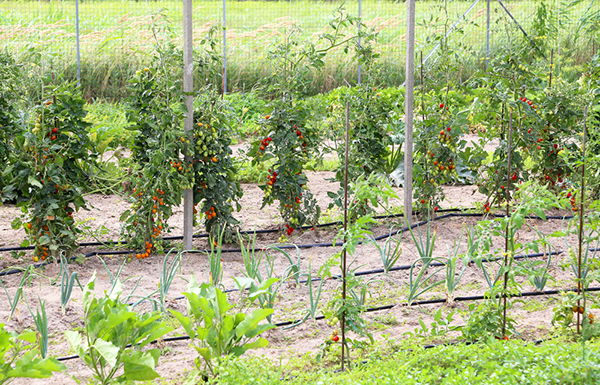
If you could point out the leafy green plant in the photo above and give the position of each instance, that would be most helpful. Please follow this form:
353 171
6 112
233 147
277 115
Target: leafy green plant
114 336
215 333
487 318
351 307
439 327
215 184
41 323
155 114
365 193
389 253
66 283
19 293
167 275
48 177
18 357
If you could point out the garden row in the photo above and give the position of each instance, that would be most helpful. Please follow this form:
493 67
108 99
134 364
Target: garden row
49 159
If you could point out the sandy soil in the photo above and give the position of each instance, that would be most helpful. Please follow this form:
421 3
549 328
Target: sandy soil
533 315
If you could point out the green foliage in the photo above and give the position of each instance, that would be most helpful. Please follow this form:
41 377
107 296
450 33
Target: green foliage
364 195
287 135
545 120
155 113
214 168
491 362
486 319
19 357
114 336
9 126
47 172
214 332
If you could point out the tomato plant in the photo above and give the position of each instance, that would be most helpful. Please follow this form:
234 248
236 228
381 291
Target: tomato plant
47 175
375 122
544 120
160 173
8 113
438 149
213 164
287 139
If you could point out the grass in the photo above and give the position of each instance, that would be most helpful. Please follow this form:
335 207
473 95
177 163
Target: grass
514 362
116 35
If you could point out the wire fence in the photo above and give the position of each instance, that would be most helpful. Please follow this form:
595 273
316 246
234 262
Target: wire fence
116 36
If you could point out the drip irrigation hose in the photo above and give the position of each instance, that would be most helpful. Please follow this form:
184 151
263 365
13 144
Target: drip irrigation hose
387 307
403 267
451 213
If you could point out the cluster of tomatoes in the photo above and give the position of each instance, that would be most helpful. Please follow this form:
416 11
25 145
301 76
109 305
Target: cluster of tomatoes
264 144
210 213
440 164
37 230
148 251
299 133
486 207
155 212
529 102
334 336
206 145
445 137
272 178
572 201
289 230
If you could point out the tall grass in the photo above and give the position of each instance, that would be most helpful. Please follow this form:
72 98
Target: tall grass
116 35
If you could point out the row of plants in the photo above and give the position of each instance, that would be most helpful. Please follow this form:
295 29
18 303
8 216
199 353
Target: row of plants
51 138
114 337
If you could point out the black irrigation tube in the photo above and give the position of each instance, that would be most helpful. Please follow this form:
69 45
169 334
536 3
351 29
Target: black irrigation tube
452 213
88 255
387 307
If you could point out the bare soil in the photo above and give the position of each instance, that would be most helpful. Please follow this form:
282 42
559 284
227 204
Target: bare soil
532 315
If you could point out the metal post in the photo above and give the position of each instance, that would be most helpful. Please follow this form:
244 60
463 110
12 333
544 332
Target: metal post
77 38
359 23
224 48
408 114
188 87
487 38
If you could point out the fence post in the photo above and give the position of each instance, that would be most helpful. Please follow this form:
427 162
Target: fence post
224 48
77 39
408 114
188 87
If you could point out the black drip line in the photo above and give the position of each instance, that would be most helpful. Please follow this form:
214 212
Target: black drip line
388 307
452 213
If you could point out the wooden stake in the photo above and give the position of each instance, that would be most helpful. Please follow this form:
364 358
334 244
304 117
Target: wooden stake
580 236
507 225
345 229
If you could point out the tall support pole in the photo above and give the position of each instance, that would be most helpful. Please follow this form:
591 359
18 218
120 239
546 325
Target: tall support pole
188 87
359 23
77 39
224 48
408 113
344 266
487 38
